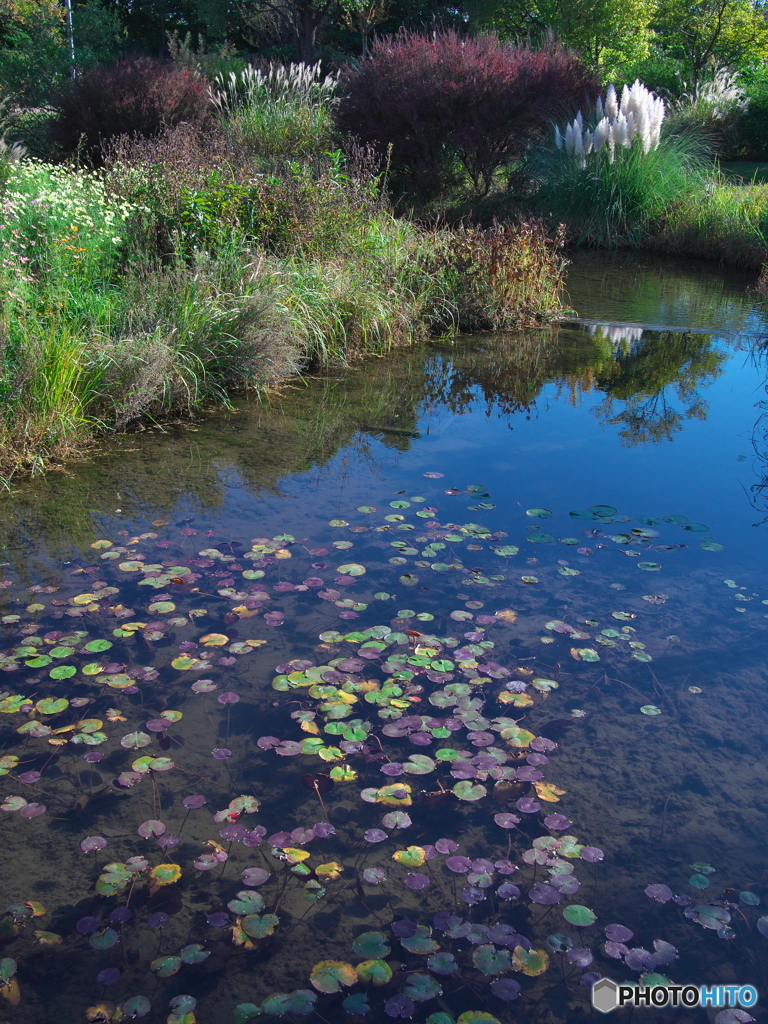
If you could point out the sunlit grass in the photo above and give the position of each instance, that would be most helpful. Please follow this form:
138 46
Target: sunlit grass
724 221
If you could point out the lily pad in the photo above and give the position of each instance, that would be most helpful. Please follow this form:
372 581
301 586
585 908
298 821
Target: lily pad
371 945
376 972
579 915
332 975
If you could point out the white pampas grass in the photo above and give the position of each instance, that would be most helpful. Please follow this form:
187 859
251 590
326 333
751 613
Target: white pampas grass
636 118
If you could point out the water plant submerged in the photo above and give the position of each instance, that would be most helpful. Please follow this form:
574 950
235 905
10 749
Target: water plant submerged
382 704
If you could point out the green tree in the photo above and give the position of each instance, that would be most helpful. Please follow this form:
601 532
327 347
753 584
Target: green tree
98 34
608 33
711 34
301 20
33 56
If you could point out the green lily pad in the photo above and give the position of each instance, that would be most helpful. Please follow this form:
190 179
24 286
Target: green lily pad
579 915
245 1012
422 987
466 790
165 966
477 1017
332 975
62 672
259 927
357 1004
371 945
246 902
165 874
194 954
421 942
51 705
490 960
377 972
531 962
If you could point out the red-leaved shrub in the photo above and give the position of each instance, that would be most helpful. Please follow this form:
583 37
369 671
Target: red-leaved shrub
442 100
141 96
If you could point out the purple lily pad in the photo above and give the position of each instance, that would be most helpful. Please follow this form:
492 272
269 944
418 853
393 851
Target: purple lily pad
218 920
109 976
404 929
86 925
507 891
580 957
459 865
618 933
446 846
557 822
400 1006
375 835
255 876
506 989
415 880
591 854
92 843
545 894
505 820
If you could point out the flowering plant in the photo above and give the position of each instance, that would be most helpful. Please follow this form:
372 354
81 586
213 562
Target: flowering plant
637 118
58 220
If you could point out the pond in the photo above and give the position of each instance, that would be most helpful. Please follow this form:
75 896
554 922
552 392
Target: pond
430 689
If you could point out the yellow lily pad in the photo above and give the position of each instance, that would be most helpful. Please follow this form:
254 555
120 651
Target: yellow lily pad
331 869
548 791
412 857
530 961
214 639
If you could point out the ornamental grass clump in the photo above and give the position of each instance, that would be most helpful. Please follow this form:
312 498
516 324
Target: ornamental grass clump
614 176
277 112
716 107
635 120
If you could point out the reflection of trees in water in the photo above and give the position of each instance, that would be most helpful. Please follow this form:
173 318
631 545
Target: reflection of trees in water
649 382
505 373
657 377
649 289
650 379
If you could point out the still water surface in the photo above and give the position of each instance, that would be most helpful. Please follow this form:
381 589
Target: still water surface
535 675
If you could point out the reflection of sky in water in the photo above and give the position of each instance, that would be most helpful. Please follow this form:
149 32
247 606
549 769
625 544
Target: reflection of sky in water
702 472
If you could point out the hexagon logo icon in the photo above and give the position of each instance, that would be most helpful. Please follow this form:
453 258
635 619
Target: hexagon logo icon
605 995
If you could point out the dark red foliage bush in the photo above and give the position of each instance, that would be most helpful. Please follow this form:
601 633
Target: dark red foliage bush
138 97
442 99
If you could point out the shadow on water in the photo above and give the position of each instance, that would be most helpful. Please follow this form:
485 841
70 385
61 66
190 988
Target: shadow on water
518 572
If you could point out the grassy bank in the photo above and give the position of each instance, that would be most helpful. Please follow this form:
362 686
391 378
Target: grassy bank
223 256
625 175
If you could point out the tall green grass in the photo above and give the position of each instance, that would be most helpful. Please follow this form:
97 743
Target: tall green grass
722 221
624 203
280 112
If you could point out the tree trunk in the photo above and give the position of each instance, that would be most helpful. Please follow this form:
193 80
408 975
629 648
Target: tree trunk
307 23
